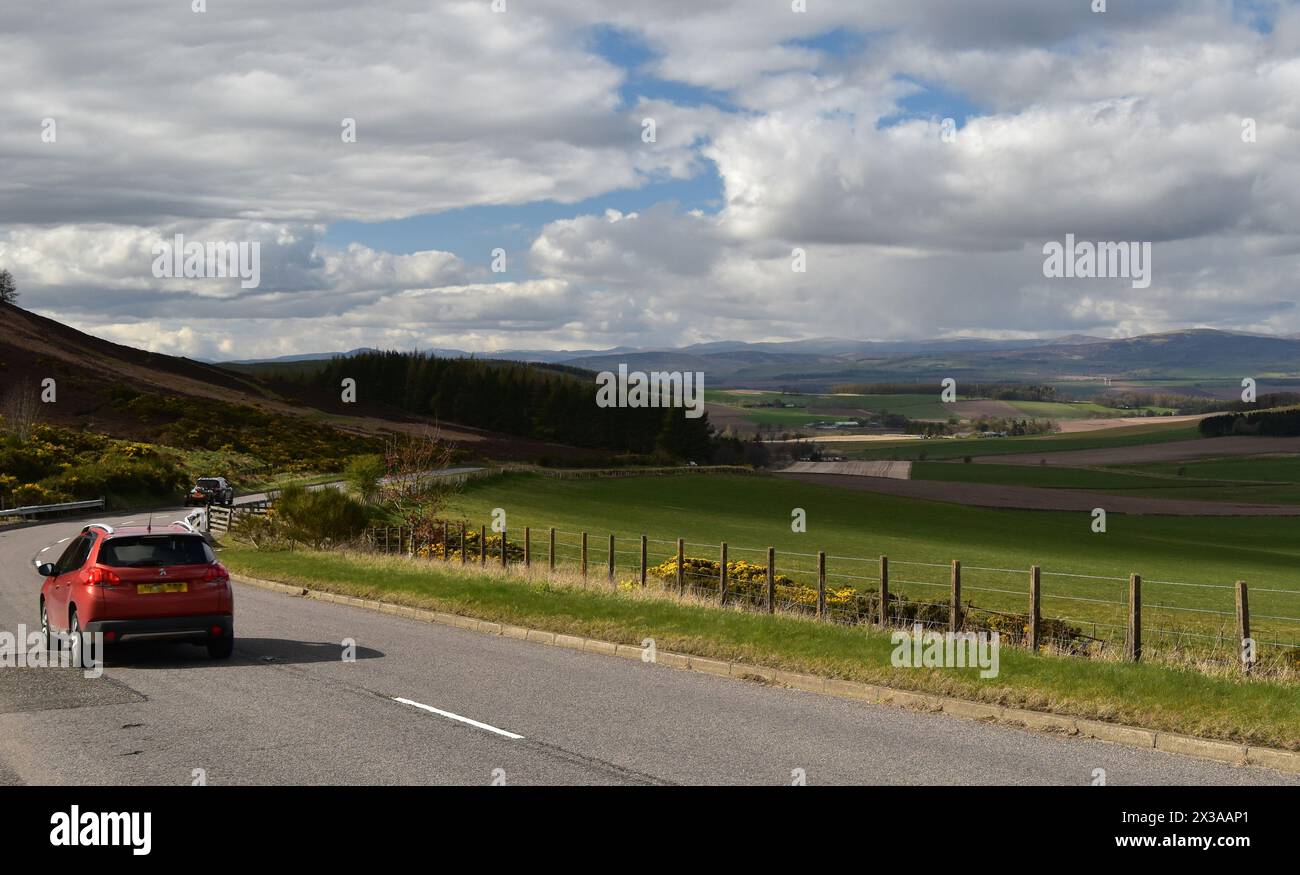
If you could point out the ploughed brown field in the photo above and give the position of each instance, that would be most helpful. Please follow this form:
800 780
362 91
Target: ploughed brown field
1074 426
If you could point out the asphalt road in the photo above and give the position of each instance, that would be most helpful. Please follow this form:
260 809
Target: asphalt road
286 709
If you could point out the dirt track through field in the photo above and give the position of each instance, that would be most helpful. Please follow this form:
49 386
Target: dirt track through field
1034 498
1142 454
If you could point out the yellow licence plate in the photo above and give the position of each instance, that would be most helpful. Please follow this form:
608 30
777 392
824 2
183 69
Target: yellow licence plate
147 588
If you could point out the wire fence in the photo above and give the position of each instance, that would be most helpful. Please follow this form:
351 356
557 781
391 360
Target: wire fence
1067 612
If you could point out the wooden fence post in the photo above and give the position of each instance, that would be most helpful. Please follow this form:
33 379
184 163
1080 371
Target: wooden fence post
954 612
1243 627
722 576
771 580
463 557
884 590
1133 642
1035 613
681 566
643 560
503 547
528 547
821 584
611 558
584 554
550 550
482 545
446 545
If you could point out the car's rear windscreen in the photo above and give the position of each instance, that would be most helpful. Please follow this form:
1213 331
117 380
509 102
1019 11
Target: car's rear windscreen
155 550
209 484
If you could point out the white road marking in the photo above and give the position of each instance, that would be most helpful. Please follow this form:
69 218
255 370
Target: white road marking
451 716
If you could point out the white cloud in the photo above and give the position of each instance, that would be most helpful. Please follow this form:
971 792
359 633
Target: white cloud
225 125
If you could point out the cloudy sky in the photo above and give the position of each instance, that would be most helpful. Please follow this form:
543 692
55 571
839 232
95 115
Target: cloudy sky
1173 122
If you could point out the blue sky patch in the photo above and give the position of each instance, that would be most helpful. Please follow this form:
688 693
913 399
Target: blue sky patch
930 101
473 232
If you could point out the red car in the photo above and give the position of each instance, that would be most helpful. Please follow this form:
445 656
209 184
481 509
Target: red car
139 583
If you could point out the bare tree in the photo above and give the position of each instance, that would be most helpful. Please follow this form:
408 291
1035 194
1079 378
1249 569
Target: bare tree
413 463
8 288
413 487
19 409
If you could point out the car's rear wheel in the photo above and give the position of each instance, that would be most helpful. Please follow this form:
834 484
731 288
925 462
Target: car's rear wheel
75 638
221 648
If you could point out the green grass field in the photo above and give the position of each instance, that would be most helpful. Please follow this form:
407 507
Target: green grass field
1078 409
1272 469
956 448
1148 481
1046 476
814 408
996 546
1159 697
817 408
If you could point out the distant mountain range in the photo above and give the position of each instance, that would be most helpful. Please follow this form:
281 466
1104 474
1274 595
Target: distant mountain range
819 346
817 363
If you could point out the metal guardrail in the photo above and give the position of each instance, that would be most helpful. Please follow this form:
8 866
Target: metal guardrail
38 509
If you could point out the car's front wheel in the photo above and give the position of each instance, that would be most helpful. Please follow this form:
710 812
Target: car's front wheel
46 641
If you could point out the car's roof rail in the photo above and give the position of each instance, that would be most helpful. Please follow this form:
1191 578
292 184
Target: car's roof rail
185 524
105 526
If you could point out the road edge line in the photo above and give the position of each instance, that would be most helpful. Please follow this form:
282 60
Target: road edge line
1039 721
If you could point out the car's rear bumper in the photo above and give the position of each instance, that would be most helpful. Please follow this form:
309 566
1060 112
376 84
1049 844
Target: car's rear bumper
199 626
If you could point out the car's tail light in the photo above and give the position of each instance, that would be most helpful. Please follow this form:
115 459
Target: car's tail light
216 573
100 576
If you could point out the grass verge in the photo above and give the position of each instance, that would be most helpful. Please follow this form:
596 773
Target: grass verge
1156 697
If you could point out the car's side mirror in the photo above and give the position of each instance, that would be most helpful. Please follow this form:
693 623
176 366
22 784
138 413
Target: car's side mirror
46 569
